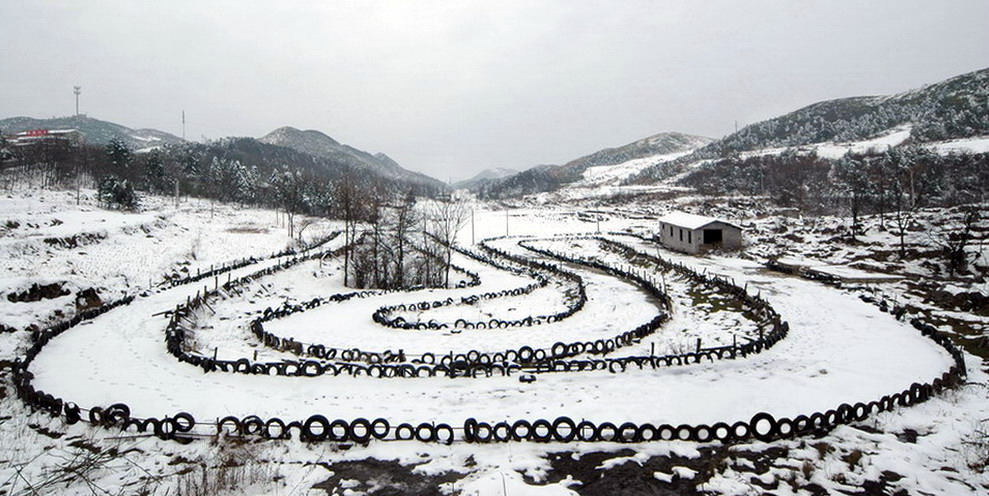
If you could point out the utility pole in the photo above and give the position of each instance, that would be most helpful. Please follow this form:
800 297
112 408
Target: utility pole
506 222
183 125
77 90
472 227
736 126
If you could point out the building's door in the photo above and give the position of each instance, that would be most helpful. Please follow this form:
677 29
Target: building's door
713 236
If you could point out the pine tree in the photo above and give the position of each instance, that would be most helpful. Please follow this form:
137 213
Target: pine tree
155 180
120 156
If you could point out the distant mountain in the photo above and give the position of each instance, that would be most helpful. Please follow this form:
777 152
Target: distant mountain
950 109
658 144
264 158
551 177
94 131
485 176
320 145
954 108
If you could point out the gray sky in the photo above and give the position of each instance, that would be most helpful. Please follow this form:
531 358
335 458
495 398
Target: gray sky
451 88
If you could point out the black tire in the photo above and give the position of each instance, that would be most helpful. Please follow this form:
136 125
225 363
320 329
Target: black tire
137 424
444 433
380 428
685 432
666 432
845 413
607 431
518 425
166 428
274 428
484 432
542 431
559 350
300 434
770 433
741 431
647 432
628 432
502 432
860 411
251 425
525 354
569 434
425 433
470 429
343 434
313 421
229 419
721 431
116 413
702 433
357 426
96 416
587 431
405 432
786 428
72 413
802 425
184 421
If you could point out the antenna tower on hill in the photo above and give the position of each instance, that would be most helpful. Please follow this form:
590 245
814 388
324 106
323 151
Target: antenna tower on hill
77 90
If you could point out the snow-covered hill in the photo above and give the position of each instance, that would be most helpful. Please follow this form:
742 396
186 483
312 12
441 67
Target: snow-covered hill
318 144
485 176
94 131
603 167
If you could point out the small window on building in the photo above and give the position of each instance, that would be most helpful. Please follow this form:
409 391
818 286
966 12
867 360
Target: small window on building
690 237
681 235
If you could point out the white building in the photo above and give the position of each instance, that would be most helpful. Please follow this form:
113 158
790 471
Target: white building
691 233
33 136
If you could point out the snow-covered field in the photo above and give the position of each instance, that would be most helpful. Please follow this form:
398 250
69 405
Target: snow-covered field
839 350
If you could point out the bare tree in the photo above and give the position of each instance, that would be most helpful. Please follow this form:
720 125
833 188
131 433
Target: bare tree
953 239
290 187
405 220
447 218
346 197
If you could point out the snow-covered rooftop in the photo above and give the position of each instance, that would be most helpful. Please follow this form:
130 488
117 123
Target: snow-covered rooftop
691 221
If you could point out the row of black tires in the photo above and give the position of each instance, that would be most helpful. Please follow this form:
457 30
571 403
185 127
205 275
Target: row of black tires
478 364
470 364
386 316
762 426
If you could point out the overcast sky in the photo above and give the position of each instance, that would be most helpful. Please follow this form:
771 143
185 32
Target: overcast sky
451 88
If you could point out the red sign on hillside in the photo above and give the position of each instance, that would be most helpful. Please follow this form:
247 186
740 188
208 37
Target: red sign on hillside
36 132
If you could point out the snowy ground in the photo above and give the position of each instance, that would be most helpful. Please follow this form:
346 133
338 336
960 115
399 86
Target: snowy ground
838 351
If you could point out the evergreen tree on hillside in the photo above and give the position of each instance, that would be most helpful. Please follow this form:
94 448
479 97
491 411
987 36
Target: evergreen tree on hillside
119 155
154 178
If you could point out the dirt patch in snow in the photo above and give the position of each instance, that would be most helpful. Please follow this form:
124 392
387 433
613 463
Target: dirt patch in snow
38 292
383 478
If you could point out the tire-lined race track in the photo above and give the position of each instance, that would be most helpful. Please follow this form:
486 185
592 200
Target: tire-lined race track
830 357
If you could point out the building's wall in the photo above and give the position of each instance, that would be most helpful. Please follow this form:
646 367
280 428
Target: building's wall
731 236
689 244
692 242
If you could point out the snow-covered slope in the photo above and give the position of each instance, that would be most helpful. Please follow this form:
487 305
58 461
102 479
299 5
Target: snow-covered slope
485 176
95 131
947 110
318 144
603 167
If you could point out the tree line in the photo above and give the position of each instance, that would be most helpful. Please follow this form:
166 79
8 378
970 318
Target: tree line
400 234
